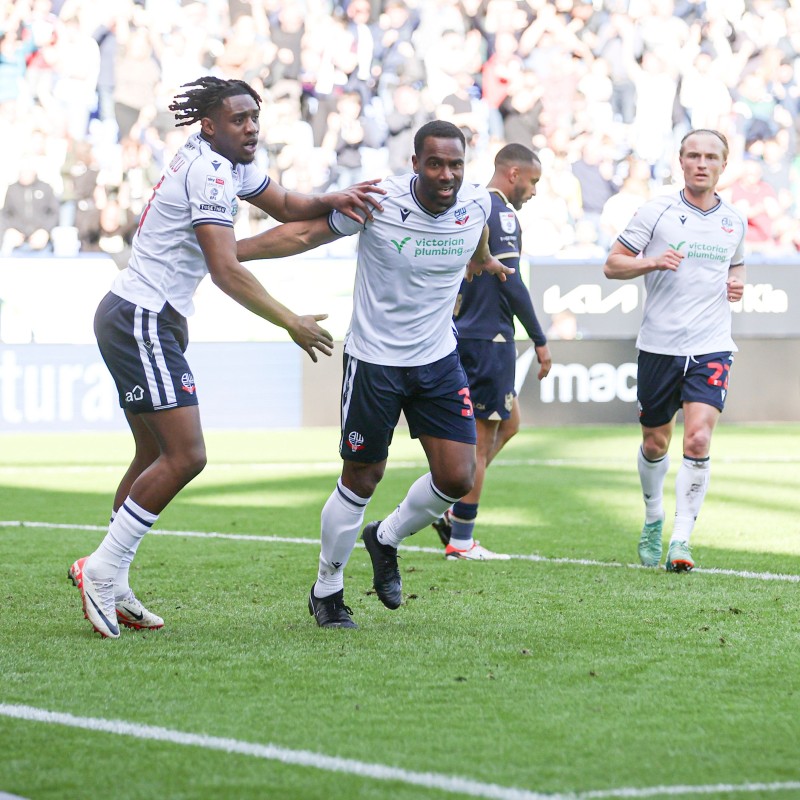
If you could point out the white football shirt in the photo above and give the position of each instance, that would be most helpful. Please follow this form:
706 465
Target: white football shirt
199 187
687 312
409 269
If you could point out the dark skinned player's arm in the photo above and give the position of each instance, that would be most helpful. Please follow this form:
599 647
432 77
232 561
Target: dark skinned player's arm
288 239
218 244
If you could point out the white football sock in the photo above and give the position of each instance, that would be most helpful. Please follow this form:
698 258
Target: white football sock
651 476
691 485
130 524
341 520
423 504
121 585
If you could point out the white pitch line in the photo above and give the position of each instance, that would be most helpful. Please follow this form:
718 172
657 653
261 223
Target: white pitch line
271 752
306 758
579 562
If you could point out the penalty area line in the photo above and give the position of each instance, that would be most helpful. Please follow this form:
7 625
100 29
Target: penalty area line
306 758
578 562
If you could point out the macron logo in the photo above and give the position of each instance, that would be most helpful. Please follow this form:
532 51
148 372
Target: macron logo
404 212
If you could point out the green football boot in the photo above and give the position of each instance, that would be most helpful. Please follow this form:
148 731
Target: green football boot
679 557
650 543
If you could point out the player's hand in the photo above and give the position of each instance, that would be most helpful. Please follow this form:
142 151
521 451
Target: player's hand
669 260
490 265
735 289
307 334
360 197
544 359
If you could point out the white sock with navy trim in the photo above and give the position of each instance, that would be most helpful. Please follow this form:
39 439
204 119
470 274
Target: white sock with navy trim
130 524
423 504
341 519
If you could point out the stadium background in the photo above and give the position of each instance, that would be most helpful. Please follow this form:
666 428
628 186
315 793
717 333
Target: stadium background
603 91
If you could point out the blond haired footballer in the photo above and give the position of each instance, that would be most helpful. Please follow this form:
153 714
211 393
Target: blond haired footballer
689 247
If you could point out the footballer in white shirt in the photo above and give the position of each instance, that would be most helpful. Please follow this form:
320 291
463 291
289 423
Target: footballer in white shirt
400 356
690 249
185 232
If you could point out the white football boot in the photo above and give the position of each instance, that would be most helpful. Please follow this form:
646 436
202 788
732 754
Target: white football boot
474 553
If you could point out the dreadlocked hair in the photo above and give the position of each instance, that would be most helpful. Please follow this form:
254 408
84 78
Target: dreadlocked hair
196 103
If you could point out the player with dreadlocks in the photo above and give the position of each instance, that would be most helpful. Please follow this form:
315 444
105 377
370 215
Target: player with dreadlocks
185 231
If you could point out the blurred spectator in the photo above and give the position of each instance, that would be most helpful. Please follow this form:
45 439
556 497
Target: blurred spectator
403 119
106 37
76 72
465 109
287 27
758 201
620 207
137 74
79 179
594 171
502 70
617 46
396 59
13 63
522 109
246 48
349 133
704 93
105 226
29 214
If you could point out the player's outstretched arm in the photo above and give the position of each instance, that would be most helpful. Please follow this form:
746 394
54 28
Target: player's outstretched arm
483 261
284 240
357 202
623 264
219 247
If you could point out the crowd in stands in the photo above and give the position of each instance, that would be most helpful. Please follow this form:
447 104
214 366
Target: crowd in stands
603 90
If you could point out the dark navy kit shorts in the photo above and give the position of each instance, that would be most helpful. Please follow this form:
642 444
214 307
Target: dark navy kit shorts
144 351
435 399
665 383
490 368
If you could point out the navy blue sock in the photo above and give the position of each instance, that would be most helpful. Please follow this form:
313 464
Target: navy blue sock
463 518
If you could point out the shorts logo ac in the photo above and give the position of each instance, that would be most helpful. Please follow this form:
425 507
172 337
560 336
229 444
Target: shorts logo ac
356 441
509 401
187 382
134 395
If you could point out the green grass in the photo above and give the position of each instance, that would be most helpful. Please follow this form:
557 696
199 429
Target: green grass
549 676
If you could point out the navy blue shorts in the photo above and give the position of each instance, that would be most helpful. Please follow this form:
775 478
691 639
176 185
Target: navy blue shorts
490 368
143 351
435 399
665 383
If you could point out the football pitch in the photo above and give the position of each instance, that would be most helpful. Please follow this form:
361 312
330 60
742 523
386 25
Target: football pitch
566 673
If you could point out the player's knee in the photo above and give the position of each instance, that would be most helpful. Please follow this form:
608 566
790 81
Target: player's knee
696 444
456 484
655 446
362 479
194 462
